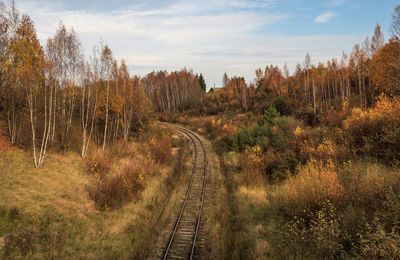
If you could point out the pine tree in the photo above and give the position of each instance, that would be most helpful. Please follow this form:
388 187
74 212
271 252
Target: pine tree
202 82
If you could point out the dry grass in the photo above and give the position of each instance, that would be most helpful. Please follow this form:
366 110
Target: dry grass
312 185
366 184
253 196
217 209
253 165
60 184
50 209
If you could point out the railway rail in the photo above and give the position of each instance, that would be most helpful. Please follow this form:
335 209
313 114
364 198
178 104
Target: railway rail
184 240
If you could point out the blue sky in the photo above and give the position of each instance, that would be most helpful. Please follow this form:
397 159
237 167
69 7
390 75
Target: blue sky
214 36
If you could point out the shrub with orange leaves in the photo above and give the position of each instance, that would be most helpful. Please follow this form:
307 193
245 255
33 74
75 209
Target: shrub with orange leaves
314 183
161 149
113 190
324 152
119 177
253 165
376 131
98 163
335 117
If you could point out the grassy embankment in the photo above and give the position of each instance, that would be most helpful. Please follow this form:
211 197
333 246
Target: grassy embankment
66 210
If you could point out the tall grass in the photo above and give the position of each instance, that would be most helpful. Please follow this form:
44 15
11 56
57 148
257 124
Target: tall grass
312 185
48 213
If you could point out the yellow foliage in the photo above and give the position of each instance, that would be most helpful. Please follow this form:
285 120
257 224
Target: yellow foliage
369 182
253 165
376 128
314 183
325 151
298 132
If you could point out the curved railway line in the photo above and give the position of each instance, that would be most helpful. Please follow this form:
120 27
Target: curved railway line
183 242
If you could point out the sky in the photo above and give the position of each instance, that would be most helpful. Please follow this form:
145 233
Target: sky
214 36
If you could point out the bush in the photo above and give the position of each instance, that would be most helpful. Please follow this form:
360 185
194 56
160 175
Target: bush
309 188
123 149
161 149
390 214
376 131
251 136
98 163
325 151
317 234
367 184
321 143
282 133
253 166
120 179
376 243
335 117
270 114
114 190
326 233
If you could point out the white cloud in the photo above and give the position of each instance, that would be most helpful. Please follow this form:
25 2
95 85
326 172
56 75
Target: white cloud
204 37
325 17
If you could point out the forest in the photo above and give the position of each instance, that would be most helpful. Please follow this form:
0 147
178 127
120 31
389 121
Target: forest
302 164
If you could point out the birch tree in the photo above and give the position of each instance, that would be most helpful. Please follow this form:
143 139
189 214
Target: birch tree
395 26
89 99
65 57
106 63
377 40
27 63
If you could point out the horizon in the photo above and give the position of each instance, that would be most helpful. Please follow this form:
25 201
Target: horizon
235 37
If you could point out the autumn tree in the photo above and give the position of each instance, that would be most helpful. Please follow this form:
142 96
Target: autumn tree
235 95
11 95
385 69
307 67
4 28
395 26
27 64
127 91
377 40
173 92
106 63
89 100
60 90
65 59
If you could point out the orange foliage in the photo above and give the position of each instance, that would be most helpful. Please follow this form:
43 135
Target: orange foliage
314 183
324 152
253 165
27 60
161 149
385 69
376 130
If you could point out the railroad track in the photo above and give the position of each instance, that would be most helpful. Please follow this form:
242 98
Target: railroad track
184 242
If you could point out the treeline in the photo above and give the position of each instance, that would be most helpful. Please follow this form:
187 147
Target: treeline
57 97
235 95
356 78
176 91
371 69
